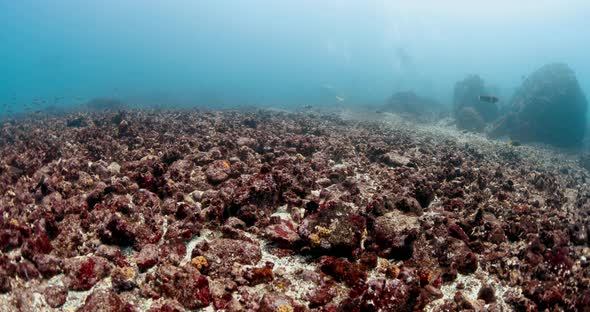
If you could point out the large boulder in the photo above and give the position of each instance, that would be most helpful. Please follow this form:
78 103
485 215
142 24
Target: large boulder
549 107
412 105
466 94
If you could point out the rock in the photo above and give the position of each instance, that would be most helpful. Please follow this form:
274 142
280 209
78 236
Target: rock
487 294
469 119
26 270
184 284
37 244
412 105
112 253
334 229
218 171
395 233
56 296
465 303
257 276
395 160
272 302
114 168
172 253
545 294
467 263
424 194
105 301
583 301
549 107
383 295
409 204
222 253
221 292
48 265
343 271
284 234
118 231
466 95
123 279
166 306
83 273
5 285
77 122
147 257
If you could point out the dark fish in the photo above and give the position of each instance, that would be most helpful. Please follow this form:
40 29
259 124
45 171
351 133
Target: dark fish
488 98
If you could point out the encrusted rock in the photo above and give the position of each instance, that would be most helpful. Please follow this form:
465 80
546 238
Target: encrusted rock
283 234
105 301
395 232
222 253
83 273
147 257
56 296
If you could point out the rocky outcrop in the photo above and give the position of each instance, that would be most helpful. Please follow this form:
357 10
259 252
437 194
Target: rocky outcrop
549 107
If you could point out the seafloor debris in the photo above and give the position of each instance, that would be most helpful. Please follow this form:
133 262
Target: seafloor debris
269 211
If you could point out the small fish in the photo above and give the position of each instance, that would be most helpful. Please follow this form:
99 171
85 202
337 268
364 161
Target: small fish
307 106
340 99
488 98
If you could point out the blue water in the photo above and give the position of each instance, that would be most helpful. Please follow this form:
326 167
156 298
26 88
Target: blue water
279 53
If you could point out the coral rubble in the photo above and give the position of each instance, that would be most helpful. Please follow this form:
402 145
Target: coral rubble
275 211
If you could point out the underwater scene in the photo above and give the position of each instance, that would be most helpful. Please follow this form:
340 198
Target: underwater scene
293 156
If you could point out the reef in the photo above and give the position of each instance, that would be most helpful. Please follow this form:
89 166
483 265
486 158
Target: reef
278 211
